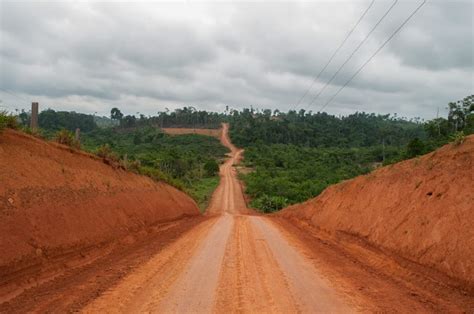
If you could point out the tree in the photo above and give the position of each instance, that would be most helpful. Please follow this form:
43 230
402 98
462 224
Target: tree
58 120
456 115
211 167
24 117
115 114
415 148
128 121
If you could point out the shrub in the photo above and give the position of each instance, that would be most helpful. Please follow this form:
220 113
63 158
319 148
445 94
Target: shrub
7 121
158 175
35 132
211 167
66 137
269 204
458 138
133 165
415 148
106 152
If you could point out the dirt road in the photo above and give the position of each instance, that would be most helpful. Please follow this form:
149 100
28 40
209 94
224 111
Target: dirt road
234 260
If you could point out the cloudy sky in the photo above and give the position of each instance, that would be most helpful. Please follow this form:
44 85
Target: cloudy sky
145 56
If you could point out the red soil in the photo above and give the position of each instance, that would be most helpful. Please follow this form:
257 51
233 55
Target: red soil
55 201
179 131
420 209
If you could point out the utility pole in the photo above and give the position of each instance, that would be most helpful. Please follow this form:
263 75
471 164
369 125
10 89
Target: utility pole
77 135
383 149
34 116
437 121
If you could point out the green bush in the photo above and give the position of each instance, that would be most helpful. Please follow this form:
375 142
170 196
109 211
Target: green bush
201 191
104 151
133 165
7 121
458 138
298 173
158 175
269 204
415 148
66 137
211 167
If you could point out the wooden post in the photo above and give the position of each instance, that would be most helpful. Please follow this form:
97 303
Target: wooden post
77 135
34 116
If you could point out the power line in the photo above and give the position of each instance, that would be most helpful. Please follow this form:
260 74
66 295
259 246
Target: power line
334 54
373 55
13 94
353 53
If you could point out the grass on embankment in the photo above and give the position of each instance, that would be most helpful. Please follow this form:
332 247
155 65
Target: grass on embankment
202 190
189 162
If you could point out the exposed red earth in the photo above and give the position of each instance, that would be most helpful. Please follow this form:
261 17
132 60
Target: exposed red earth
179 131
305 259
57 205
420 209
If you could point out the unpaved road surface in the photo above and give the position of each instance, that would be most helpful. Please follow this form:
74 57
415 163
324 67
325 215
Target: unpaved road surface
234 260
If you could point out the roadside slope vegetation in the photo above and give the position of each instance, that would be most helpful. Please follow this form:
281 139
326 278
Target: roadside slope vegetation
421 209
56 201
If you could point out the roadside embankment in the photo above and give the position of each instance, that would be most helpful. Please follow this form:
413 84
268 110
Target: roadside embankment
55 201
420 209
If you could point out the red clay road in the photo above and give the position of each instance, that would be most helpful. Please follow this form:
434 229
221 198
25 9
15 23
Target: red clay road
233 262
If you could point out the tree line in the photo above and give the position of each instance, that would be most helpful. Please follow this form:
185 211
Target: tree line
296 155
186 117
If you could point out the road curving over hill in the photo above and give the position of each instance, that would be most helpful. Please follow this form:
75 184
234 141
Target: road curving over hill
236 260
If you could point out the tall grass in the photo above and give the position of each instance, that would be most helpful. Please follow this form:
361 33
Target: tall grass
66 137
7 121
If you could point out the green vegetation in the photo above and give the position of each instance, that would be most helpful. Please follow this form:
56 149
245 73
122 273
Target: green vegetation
296 155
189 162
415 148
7 121
186 117
288 174
458 138
58 120
202 191
320 130
66 137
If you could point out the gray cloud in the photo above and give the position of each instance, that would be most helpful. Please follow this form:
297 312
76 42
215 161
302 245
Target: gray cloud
89 56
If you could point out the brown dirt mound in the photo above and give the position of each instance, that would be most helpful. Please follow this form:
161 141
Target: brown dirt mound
420 209
54 201
179 131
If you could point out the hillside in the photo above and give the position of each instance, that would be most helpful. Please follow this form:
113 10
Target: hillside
421 209
56 201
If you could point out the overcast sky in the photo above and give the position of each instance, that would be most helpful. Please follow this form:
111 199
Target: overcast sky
143 57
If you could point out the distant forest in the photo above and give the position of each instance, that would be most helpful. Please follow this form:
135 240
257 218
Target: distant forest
290 156
294 156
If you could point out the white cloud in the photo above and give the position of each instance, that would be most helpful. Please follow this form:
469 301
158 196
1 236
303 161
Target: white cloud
143 57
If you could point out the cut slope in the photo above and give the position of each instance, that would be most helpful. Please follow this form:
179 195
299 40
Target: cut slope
421 209
54 201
